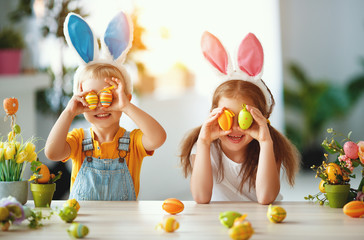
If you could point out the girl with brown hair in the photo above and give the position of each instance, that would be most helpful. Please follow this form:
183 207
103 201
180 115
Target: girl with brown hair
238 164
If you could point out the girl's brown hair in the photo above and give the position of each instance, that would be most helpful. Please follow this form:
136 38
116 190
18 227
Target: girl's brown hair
285 152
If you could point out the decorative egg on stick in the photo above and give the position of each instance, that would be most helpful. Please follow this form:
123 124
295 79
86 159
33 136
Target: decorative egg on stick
11 106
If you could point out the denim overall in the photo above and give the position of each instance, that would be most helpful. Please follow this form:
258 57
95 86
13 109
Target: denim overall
104 179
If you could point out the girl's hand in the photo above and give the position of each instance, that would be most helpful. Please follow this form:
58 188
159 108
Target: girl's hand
120 99
210 129
259 129
77 104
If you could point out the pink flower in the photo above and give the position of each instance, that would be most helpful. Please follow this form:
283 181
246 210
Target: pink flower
361 151
347 161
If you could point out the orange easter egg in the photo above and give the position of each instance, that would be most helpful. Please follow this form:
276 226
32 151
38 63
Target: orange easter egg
92 100
105 98
44 171
354 209
11 105
333 171
225 120
173 206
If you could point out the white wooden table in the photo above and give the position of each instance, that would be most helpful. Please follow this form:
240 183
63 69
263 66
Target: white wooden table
137 220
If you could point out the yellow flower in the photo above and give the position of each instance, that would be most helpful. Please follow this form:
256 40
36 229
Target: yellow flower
1 144
32 157
10 136
1 153
29 148
9 151
21 157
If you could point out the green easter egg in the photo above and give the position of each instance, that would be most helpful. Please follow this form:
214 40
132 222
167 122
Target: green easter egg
68 214
227 218
16 129
245 119
77 230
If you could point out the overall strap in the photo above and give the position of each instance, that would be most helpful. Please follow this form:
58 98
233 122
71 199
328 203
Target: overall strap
87 143
124 143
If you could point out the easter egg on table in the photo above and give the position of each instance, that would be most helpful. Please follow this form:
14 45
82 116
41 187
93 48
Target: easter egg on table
72 203
77 230
173 206
351 150
276 214
11 105
245 119
242 231
227 218
68 214
169 225
354 209
225 120
92 100
240 220
105 98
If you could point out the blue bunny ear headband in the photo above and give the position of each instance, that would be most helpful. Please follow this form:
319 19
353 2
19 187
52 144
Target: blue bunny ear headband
115 44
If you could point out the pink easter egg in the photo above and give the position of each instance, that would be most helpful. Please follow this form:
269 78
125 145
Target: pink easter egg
92 100
351 150
105 98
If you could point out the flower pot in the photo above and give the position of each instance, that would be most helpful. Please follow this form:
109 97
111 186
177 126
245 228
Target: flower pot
42 194
337 195
16 189
10 61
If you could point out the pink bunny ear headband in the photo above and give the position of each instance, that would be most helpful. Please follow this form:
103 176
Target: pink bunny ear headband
115 44
249 61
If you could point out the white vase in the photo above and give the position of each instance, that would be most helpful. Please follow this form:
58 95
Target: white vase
16 189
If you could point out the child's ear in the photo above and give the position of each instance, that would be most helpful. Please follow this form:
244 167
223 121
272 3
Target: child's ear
130 96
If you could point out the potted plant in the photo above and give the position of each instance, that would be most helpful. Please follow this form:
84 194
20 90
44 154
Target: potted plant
43 186
15 153
11 45
335 176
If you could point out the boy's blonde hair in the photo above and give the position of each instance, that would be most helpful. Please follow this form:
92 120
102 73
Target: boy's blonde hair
101 71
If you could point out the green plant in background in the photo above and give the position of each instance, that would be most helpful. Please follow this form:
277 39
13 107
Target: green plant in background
317 103
11 39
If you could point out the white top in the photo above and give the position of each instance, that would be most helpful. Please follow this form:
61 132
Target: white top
228 188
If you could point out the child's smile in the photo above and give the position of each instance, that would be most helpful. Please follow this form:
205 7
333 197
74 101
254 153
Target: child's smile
235 138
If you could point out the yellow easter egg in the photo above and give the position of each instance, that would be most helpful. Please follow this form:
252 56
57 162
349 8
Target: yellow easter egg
92 100
105 98
72 203
169 225
276 214
242 231
322 186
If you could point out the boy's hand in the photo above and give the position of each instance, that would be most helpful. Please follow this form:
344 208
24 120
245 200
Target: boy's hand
120 99
77 104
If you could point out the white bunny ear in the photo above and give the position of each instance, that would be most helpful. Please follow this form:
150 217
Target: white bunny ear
118 38
80 37
251 56
215 53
